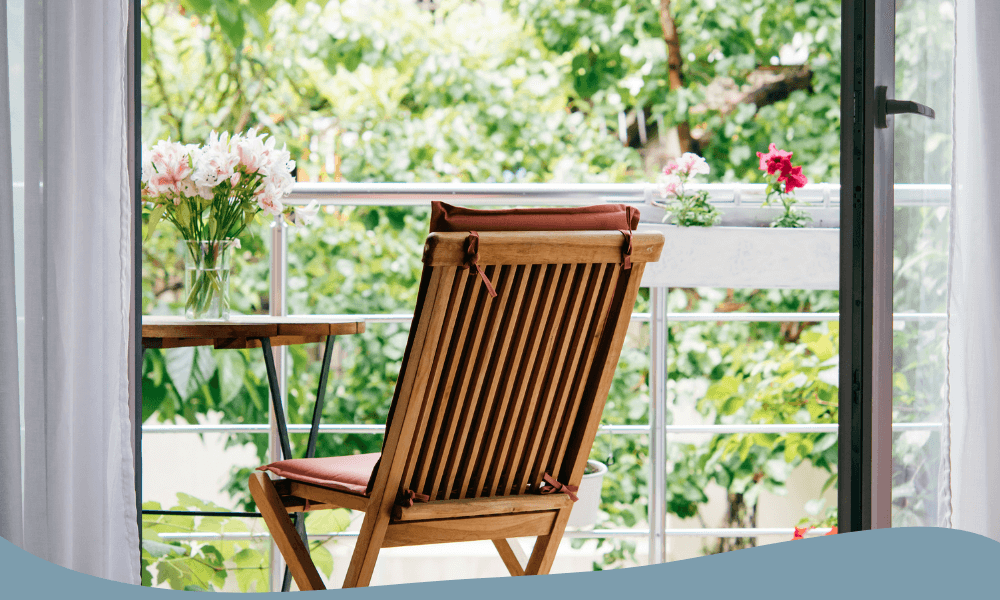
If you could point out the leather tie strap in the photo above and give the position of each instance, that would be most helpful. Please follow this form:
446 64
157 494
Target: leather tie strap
472 260
551 486
627 249
409 497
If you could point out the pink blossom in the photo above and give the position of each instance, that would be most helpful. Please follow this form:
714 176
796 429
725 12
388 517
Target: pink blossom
773 154
165 166
692 164
270 201
671 185
793 178
216 162
671 168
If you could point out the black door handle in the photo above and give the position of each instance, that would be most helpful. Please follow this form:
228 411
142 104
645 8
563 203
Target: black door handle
887 106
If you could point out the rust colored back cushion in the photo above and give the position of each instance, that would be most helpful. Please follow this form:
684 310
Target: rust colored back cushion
445 217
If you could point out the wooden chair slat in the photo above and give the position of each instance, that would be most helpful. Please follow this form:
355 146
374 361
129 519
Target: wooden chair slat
541 380
448 366
500 385
449 321
474 406
557 425
527 374
509 404
605 362
598 318
531 469
461 403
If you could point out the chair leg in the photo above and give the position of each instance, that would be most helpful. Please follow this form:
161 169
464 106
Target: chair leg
284 534
544 552
359 573
512 555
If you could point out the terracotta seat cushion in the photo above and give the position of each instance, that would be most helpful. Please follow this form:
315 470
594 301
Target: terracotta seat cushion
344 473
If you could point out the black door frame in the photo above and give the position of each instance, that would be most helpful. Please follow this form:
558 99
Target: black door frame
865 399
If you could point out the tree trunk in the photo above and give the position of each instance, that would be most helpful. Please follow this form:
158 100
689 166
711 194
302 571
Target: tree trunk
739 515
674 63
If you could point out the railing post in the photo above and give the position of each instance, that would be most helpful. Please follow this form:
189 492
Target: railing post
278 307
658 332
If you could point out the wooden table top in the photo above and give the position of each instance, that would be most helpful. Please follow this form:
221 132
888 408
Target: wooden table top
244 331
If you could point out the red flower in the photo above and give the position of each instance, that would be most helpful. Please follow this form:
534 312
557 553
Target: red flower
773 154
800 532
833 531
793 178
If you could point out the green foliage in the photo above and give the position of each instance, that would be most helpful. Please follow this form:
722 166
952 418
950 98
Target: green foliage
694 210
202 567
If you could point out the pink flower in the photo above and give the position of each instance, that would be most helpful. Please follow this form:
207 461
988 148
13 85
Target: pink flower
692 164
671 168
165 166
793 178
269 200
671 185
773 154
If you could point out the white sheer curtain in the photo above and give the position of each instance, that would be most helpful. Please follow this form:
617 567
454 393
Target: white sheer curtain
974 293
10 413
78 507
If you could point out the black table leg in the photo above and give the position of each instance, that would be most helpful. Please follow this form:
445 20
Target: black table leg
279 414
320 394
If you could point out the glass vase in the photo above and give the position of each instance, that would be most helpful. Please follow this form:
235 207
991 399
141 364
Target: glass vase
206 279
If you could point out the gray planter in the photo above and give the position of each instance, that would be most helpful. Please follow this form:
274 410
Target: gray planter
746 257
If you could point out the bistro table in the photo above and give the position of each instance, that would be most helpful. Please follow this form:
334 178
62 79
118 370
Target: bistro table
253 331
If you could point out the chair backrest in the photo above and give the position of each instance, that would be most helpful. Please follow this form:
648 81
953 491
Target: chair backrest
498 391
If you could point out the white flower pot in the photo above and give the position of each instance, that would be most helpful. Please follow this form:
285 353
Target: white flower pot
585 509
746 257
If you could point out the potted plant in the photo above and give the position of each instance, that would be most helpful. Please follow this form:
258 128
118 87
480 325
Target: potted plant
589 493
699 254
211 194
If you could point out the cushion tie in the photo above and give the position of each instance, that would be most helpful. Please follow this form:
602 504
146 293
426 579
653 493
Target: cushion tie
409 496
551 486
627 250
472 260
627 247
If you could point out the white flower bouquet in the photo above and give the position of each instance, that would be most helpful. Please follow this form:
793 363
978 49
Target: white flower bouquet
211 194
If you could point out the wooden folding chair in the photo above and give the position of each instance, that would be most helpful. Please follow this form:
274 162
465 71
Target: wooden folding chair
497 404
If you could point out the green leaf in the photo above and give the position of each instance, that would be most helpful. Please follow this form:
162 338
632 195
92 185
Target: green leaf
323 560
200 7
231 21
231 369
154 218
262 6
189 368
723 389
159 549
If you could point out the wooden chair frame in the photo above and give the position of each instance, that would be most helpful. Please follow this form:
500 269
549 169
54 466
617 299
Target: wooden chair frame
456 400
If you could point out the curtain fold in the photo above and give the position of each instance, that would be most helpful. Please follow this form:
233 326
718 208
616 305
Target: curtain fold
974 288
11 527
79 506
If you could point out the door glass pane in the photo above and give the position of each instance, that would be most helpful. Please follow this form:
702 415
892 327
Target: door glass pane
924 60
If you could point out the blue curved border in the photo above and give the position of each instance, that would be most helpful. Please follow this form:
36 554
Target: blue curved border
911 563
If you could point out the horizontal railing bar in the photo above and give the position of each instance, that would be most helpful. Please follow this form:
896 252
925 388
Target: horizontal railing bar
819 195
735 532
695 317
715 429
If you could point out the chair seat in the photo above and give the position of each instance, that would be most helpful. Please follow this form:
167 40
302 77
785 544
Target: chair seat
344 473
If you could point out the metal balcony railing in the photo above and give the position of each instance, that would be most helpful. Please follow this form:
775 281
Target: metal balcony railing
741 205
